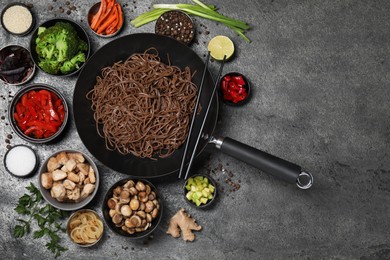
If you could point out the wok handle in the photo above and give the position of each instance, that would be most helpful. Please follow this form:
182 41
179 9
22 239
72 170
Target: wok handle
268 163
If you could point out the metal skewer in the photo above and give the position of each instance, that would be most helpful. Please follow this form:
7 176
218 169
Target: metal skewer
194 115
205 117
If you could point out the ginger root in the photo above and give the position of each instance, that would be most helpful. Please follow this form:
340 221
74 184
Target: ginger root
186 223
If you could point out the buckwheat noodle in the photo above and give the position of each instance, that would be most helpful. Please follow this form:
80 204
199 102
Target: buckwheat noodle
143 106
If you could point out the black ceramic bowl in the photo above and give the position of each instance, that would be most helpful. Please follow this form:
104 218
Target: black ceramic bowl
17 98
94 10
177 25
106 210
246 86
19 57
210 202
80 32
16 17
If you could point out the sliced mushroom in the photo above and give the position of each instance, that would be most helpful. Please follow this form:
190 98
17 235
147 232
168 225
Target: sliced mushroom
152 195
142 196
131 231
91 174
62 158
149 206
126 211
149 218
155 213
136 221
144 223
70 165
53 164
112 212
117 190
147 189
124 196
73 177
134 204
111 203
129 184
140 186
58 175
118 207
73 194
69 185
142 214
129 223
78 157
133 191
142 206
117 218
58 191
47 180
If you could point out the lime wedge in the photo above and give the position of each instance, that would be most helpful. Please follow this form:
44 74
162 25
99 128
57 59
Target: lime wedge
221 46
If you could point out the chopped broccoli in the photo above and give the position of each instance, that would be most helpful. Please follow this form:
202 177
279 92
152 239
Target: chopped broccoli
57 45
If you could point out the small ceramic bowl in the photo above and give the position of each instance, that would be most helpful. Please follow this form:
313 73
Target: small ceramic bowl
74 223
14 157
80 32
92 12
209 202
18 99
118 228
9 11
20 57
223 91
68 205
177 25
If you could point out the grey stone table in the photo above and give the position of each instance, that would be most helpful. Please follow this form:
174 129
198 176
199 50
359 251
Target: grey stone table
320 73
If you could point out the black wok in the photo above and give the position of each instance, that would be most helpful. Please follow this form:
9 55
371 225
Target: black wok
181 56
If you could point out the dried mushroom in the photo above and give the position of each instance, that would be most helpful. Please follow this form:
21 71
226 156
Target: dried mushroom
131 208
67 177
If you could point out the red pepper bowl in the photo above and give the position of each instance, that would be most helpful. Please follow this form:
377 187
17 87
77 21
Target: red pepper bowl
38 113
234 89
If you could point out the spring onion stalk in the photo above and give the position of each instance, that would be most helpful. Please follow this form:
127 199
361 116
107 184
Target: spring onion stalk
200 10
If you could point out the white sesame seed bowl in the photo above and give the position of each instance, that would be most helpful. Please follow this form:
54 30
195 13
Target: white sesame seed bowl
17 19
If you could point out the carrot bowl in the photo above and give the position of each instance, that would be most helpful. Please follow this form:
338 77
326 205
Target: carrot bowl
105 18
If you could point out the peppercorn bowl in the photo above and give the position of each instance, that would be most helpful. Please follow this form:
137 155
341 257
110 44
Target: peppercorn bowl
68 179
235 89
200 191
104 28
16 65
60 47
132 208
38 113
177 25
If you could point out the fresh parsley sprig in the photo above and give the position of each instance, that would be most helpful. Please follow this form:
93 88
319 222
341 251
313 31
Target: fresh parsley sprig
46 216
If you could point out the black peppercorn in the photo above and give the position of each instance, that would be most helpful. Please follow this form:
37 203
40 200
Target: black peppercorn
177 25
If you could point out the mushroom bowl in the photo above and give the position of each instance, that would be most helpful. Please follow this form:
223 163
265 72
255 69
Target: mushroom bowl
132 208
68 180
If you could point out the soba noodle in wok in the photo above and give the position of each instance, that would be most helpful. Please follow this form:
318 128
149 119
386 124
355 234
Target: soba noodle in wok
143 106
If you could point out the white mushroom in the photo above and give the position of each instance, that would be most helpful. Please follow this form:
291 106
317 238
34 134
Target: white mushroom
46 180
59 175
58 191
69 185
70 165
52 164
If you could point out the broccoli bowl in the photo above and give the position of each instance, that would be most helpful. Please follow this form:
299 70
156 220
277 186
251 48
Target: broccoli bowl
60 47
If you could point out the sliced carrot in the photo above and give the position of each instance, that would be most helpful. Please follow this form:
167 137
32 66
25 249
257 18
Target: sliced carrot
120 15
102 9
109 9
110 19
